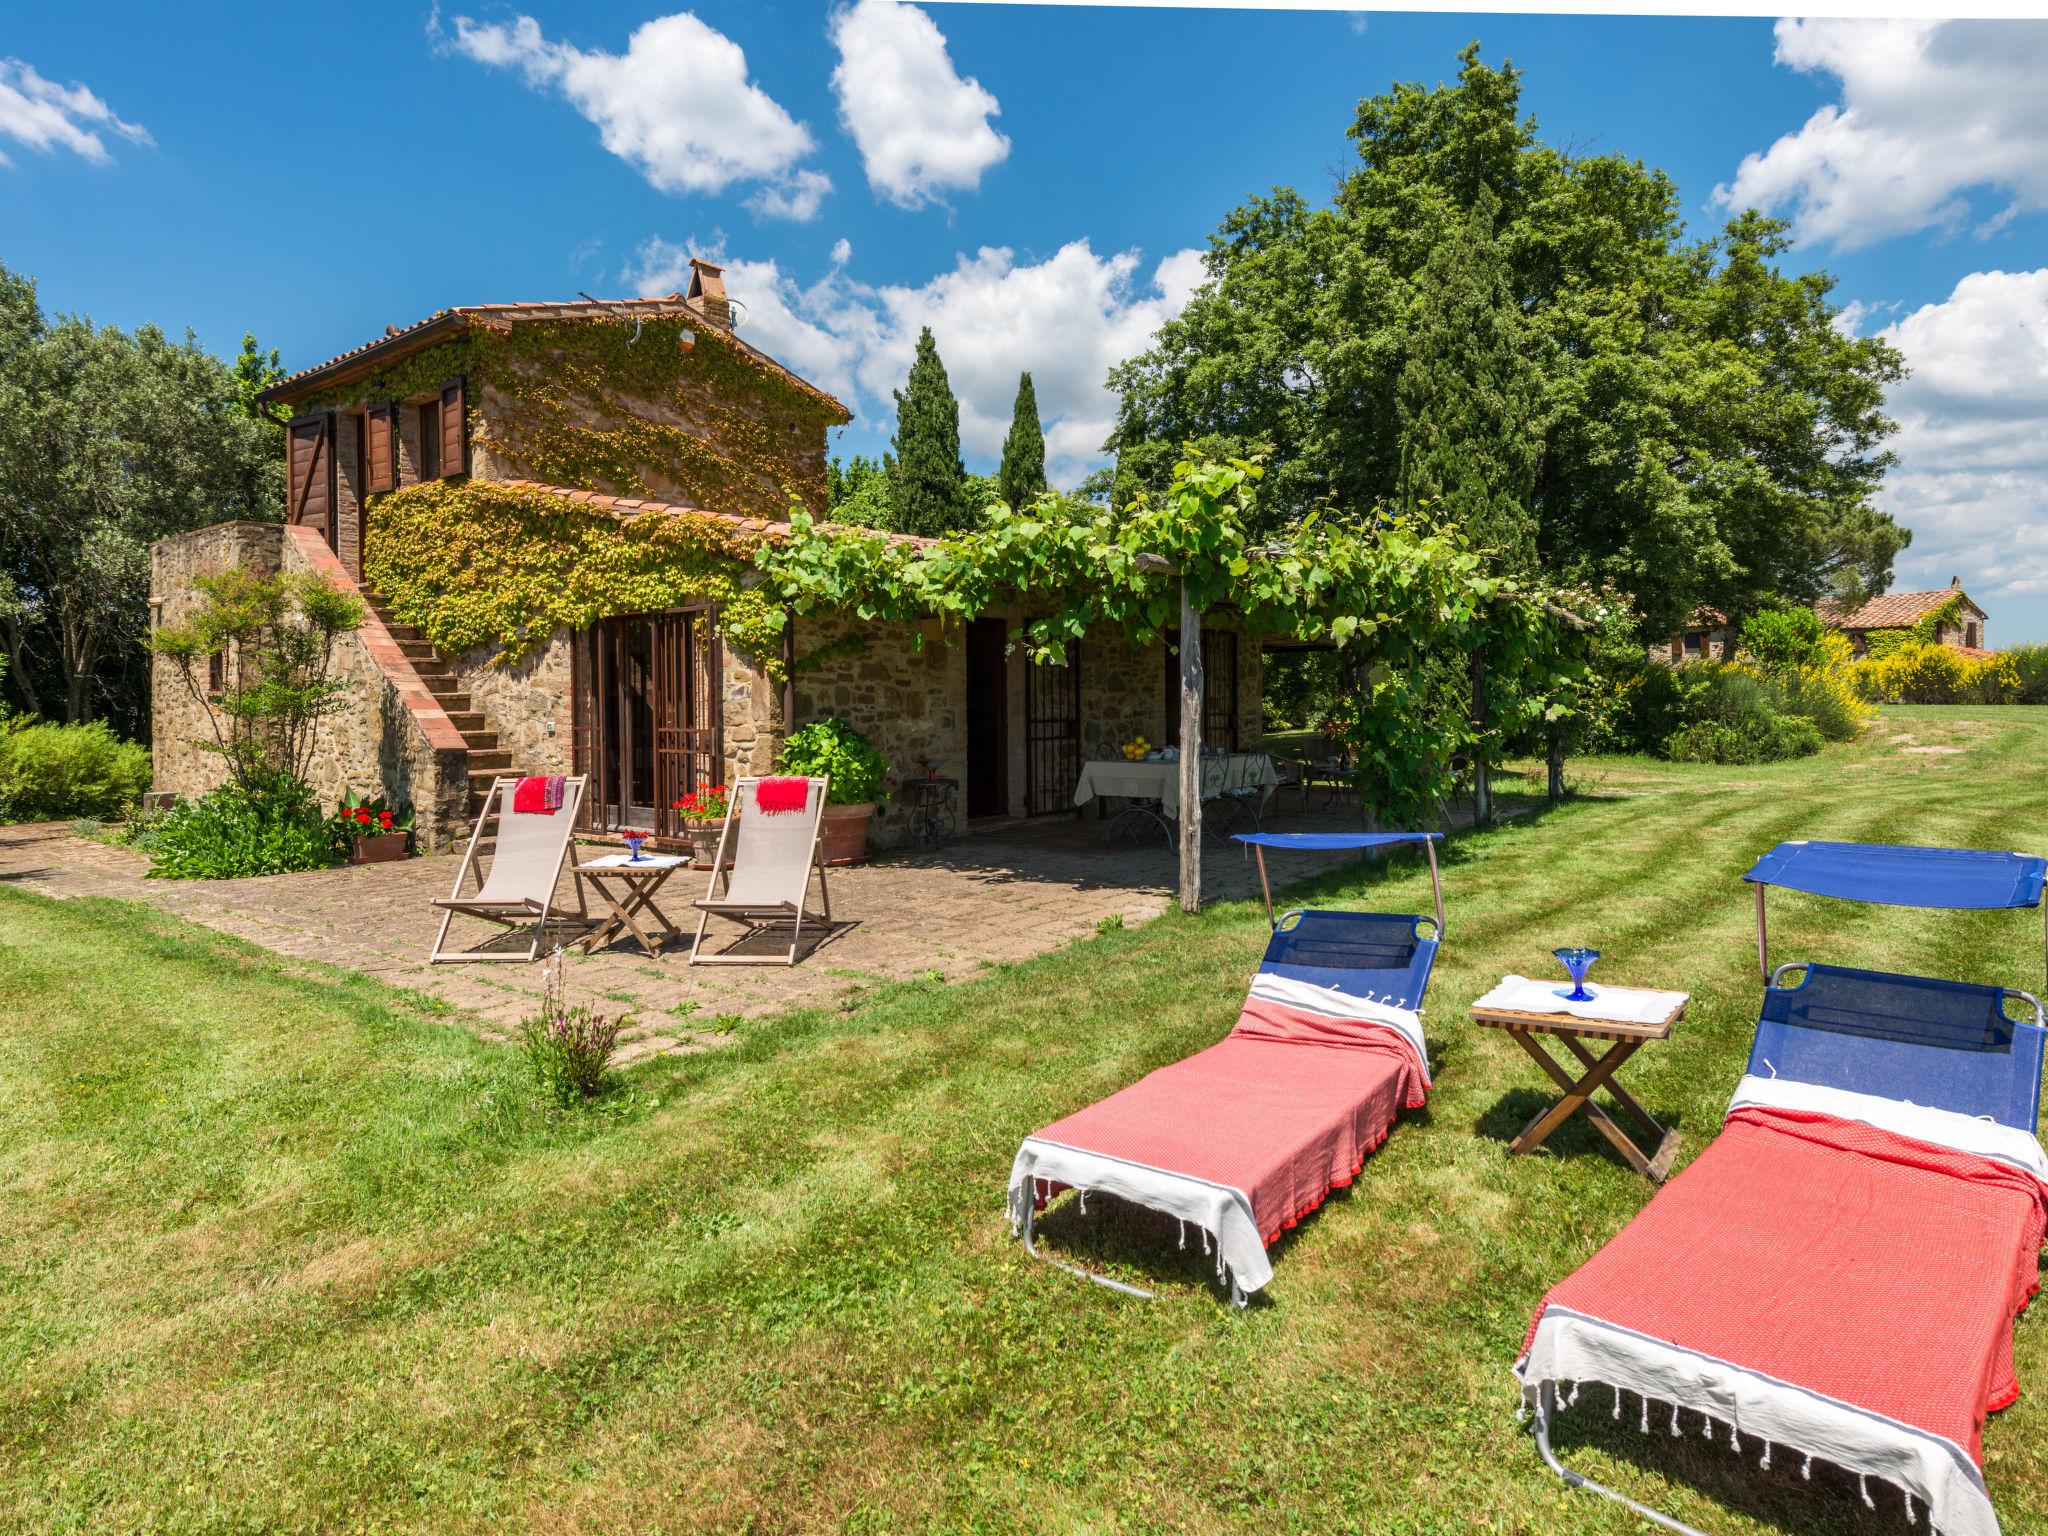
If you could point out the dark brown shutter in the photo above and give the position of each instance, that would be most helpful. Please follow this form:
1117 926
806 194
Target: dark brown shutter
380 447
454 430
311 497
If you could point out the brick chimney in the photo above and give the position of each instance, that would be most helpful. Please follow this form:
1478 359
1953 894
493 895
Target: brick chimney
707 292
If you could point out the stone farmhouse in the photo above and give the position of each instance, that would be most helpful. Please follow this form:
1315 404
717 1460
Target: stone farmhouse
1946 616
550 510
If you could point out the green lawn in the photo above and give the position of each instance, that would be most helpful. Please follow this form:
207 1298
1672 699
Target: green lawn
281 1250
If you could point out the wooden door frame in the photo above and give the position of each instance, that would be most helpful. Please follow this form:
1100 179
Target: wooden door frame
686 661
1002 716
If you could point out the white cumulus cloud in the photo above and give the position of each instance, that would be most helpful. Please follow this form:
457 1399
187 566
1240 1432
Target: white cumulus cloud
1065 319
677 106
920 128
47 116
1972 477
1930 113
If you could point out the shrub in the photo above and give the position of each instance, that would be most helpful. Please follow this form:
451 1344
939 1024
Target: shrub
48 771
569 1050
2030 668
234 832
1824 691
1938 674
831 746
1758 739
1785 641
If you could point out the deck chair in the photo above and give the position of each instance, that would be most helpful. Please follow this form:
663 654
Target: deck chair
526 865
1837 1276
1243 1140
764 865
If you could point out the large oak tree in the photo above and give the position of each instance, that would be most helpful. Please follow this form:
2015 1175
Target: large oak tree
1681 417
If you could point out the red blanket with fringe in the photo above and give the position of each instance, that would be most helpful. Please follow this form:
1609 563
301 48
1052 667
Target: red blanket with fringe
774 797
1284 1109
1872 1268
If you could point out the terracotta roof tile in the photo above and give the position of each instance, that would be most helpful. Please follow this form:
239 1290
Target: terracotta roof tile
1887 610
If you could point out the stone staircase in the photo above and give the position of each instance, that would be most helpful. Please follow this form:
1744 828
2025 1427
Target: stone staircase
487 758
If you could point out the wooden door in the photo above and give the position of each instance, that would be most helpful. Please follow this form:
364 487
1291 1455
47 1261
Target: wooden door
988 718
1052 734
648 716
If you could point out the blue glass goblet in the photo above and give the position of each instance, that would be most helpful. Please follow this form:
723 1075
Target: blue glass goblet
1577 960
633 846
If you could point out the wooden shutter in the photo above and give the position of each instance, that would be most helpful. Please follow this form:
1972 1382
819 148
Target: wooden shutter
311 496
380 447
454 430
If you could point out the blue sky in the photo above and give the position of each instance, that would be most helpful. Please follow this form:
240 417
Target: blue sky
1029 180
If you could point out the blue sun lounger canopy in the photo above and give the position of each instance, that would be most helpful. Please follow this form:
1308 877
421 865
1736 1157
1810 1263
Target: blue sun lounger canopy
1903 875
1898 875
1338 842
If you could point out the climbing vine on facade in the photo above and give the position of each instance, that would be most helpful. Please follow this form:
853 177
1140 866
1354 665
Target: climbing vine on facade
476 563
1400 599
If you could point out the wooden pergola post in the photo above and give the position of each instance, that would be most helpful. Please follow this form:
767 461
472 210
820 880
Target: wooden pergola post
1190 753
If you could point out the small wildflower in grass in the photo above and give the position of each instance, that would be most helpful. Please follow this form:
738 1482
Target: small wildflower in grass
568 1049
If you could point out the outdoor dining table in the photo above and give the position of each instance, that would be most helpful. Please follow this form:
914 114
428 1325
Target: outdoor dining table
1159 782
1627 1016
638 881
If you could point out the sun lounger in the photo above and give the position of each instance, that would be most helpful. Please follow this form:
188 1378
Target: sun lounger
1836 1277
1243 1140
529 850
764 865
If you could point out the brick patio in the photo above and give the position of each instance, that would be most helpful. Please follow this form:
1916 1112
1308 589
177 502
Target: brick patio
980 901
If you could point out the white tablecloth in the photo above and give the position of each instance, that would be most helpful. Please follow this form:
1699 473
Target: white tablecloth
647 861
1161 781
1614 1005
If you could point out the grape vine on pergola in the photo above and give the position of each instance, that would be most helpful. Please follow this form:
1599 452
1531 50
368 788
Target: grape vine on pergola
1395 593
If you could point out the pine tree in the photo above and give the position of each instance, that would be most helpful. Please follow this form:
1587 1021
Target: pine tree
1467 397
1022 475
930 481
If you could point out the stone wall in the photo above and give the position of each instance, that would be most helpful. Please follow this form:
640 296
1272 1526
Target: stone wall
913 703
390 737
178 721
909 703
753 715
528 703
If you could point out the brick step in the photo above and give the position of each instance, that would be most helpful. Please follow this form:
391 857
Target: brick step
470 722
480 741
417 650
495 760
451 703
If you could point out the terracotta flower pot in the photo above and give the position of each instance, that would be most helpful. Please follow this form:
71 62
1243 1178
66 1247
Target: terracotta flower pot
377 847
843 833
703 839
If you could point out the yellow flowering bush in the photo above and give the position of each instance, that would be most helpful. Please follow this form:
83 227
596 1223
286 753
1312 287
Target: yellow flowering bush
1825 690
1937 674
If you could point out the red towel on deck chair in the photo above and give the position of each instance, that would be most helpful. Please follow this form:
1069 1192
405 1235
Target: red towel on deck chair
774 796
538 795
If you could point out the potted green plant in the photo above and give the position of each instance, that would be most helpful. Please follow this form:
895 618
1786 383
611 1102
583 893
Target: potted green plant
830 748
702 813
372 831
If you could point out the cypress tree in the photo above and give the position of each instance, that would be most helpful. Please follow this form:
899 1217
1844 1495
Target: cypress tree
1022 475
930 482
1467 397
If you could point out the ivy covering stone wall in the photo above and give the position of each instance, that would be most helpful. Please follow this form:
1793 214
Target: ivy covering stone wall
471 563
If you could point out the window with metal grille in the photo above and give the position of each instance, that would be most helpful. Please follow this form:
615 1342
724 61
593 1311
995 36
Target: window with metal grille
1219 691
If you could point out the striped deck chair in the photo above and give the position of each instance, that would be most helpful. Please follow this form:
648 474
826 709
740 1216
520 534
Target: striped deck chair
529 850
764 864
